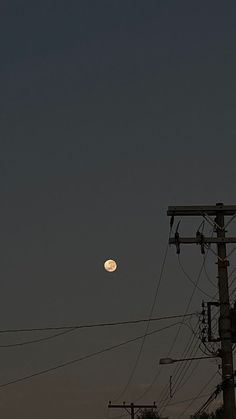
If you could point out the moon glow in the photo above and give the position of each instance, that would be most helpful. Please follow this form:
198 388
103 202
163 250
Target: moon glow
110 265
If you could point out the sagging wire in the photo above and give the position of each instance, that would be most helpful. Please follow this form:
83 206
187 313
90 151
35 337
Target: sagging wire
150 315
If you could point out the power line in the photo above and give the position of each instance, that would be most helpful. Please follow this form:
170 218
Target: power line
154 302
213 396
208 402
93 325
178 367
188 305
39 340
180 386
148 323
195 283
195 398
149 387
184 371
220 211
154 380
188 400
191 280
83 358
191 353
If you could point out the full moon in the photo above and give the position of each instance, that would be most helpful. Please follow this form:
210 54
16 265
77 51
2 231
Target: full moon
110 265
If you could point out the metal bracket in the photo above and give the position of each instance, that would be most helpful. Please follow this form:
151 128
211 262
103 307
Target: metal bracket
213 223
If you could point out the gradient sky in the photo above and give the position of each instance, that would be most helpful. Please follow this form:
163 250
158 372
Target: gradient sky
109 112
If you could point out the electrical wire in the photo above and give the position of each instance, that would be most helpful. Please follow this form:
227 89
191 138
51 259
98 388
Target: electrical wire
180 377
191 280
189 349
178 367
67 331
76 328
188 305
150 386
138 357
187 308
177 372
180 382
195 398
164 400
211 398
181 372
208 248
188 377
188 400
179 329
82 358
39 340
93 325
147 390
208 401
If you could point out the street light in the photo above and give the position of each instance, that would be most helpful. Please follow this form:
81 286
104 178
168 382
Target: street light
166 361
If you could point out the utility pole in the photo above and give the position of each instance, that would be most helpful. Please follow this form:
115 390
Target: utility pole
219 211
225 323
130 408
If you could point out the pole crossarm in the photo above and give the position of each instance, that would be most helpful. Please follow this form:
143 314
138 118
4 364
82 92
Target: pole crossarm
202 239
129 406
201 210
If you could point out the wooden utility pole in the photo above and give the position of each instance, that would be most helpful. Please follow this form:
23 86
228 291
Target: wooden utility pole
130 408
225 323
219 211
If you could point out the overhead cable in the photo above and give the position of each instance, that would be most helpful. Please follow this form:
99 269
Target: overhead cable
82 358
197 396
150 386
191 280
39 340
138 357
165 390
93 325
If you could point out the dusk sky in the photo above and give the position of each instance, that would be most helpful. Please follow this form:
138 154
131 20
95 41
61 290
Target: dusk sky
110 111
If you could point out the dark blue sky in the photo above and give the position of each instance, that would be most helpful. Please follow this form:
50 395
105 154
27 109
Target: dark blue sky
109 112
